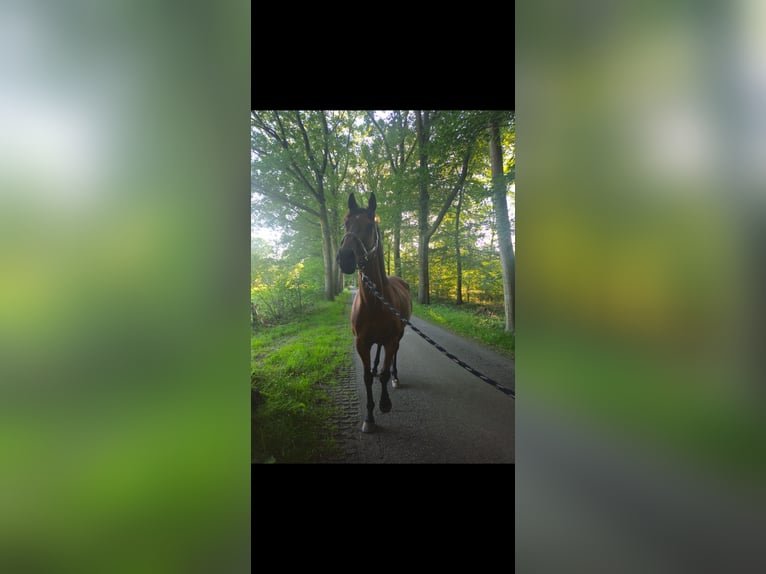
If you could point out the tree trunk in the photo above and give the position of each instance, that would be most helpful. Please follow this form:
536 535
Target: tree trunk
397 245
507 259
327 253
459 290
334 246
422 128
424 297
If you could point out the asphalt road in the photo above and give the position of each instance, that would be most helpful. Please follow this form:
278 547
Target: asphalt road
441 413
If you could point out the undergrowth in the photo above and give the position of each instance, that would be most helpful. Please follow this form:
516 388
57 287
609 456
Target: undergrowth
479 322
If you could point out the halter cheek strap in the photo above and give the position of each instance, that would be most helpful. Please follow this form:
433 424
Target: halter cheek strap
367 253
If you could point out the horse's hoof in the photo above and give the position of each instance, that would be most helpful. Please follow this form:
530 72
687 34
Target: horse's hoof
385 405
394 383
368 427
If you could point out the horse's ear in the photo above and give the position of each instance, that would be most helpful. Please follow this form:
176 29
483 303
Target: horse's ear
373 203
351 201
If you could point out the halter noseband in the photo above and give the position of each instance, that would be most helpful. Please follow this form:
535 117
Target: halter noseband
367 254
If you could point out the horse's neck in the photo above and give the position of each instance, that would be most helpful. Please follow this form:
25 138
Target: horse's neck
376 272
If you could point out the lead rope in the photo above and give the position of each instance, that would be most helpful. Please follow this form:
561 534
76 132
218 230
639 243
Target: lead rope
371 286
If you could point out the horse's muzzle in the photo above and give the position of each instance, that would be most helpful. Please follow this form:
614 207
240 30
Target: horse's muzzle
347 260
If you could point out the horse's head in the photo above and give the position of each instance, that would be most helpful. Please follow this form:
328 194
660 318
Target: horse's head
361 240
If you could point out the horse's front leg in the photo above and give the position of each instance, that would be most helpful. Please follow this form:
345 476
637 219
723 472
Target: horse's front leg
364 352
377 361
385 374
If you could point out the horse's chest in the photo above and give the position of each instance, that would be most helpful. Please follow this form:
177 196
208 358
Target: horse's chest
375 332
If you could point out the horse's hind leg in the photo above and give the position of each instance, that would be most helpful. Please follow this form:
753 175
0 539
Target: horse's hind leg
364 352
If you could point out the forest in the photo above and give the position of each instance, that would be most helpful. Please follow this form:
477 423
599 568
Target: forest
444 183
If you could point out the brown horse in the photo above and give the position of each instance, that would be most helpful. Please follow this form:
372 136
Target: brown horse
371 323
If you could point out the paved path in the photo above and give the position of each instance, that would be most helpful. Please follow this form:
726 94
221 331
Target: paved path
441 413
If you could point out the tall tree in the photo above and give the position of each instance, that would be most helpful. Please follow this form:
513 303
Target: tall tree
340 159
457 138
507 258
423 130
301 160
398 146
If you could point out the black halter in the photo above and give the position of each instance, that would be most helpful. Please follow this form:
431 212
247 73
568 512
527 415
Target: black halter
367 253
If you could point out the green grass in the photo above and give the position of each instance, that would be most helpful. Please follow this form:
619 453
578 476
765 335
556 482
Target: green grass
290 365
470 320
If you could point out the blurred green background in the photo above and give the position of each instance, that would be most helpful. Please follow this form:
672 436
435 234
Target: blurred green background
124 242
641 138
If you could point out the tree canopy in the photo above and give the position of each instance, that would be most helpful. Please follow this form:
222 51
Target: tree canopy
431 172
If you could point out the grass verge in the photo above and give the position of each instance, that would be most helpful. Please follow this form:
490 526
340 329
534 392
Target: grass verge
290 364
475 322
